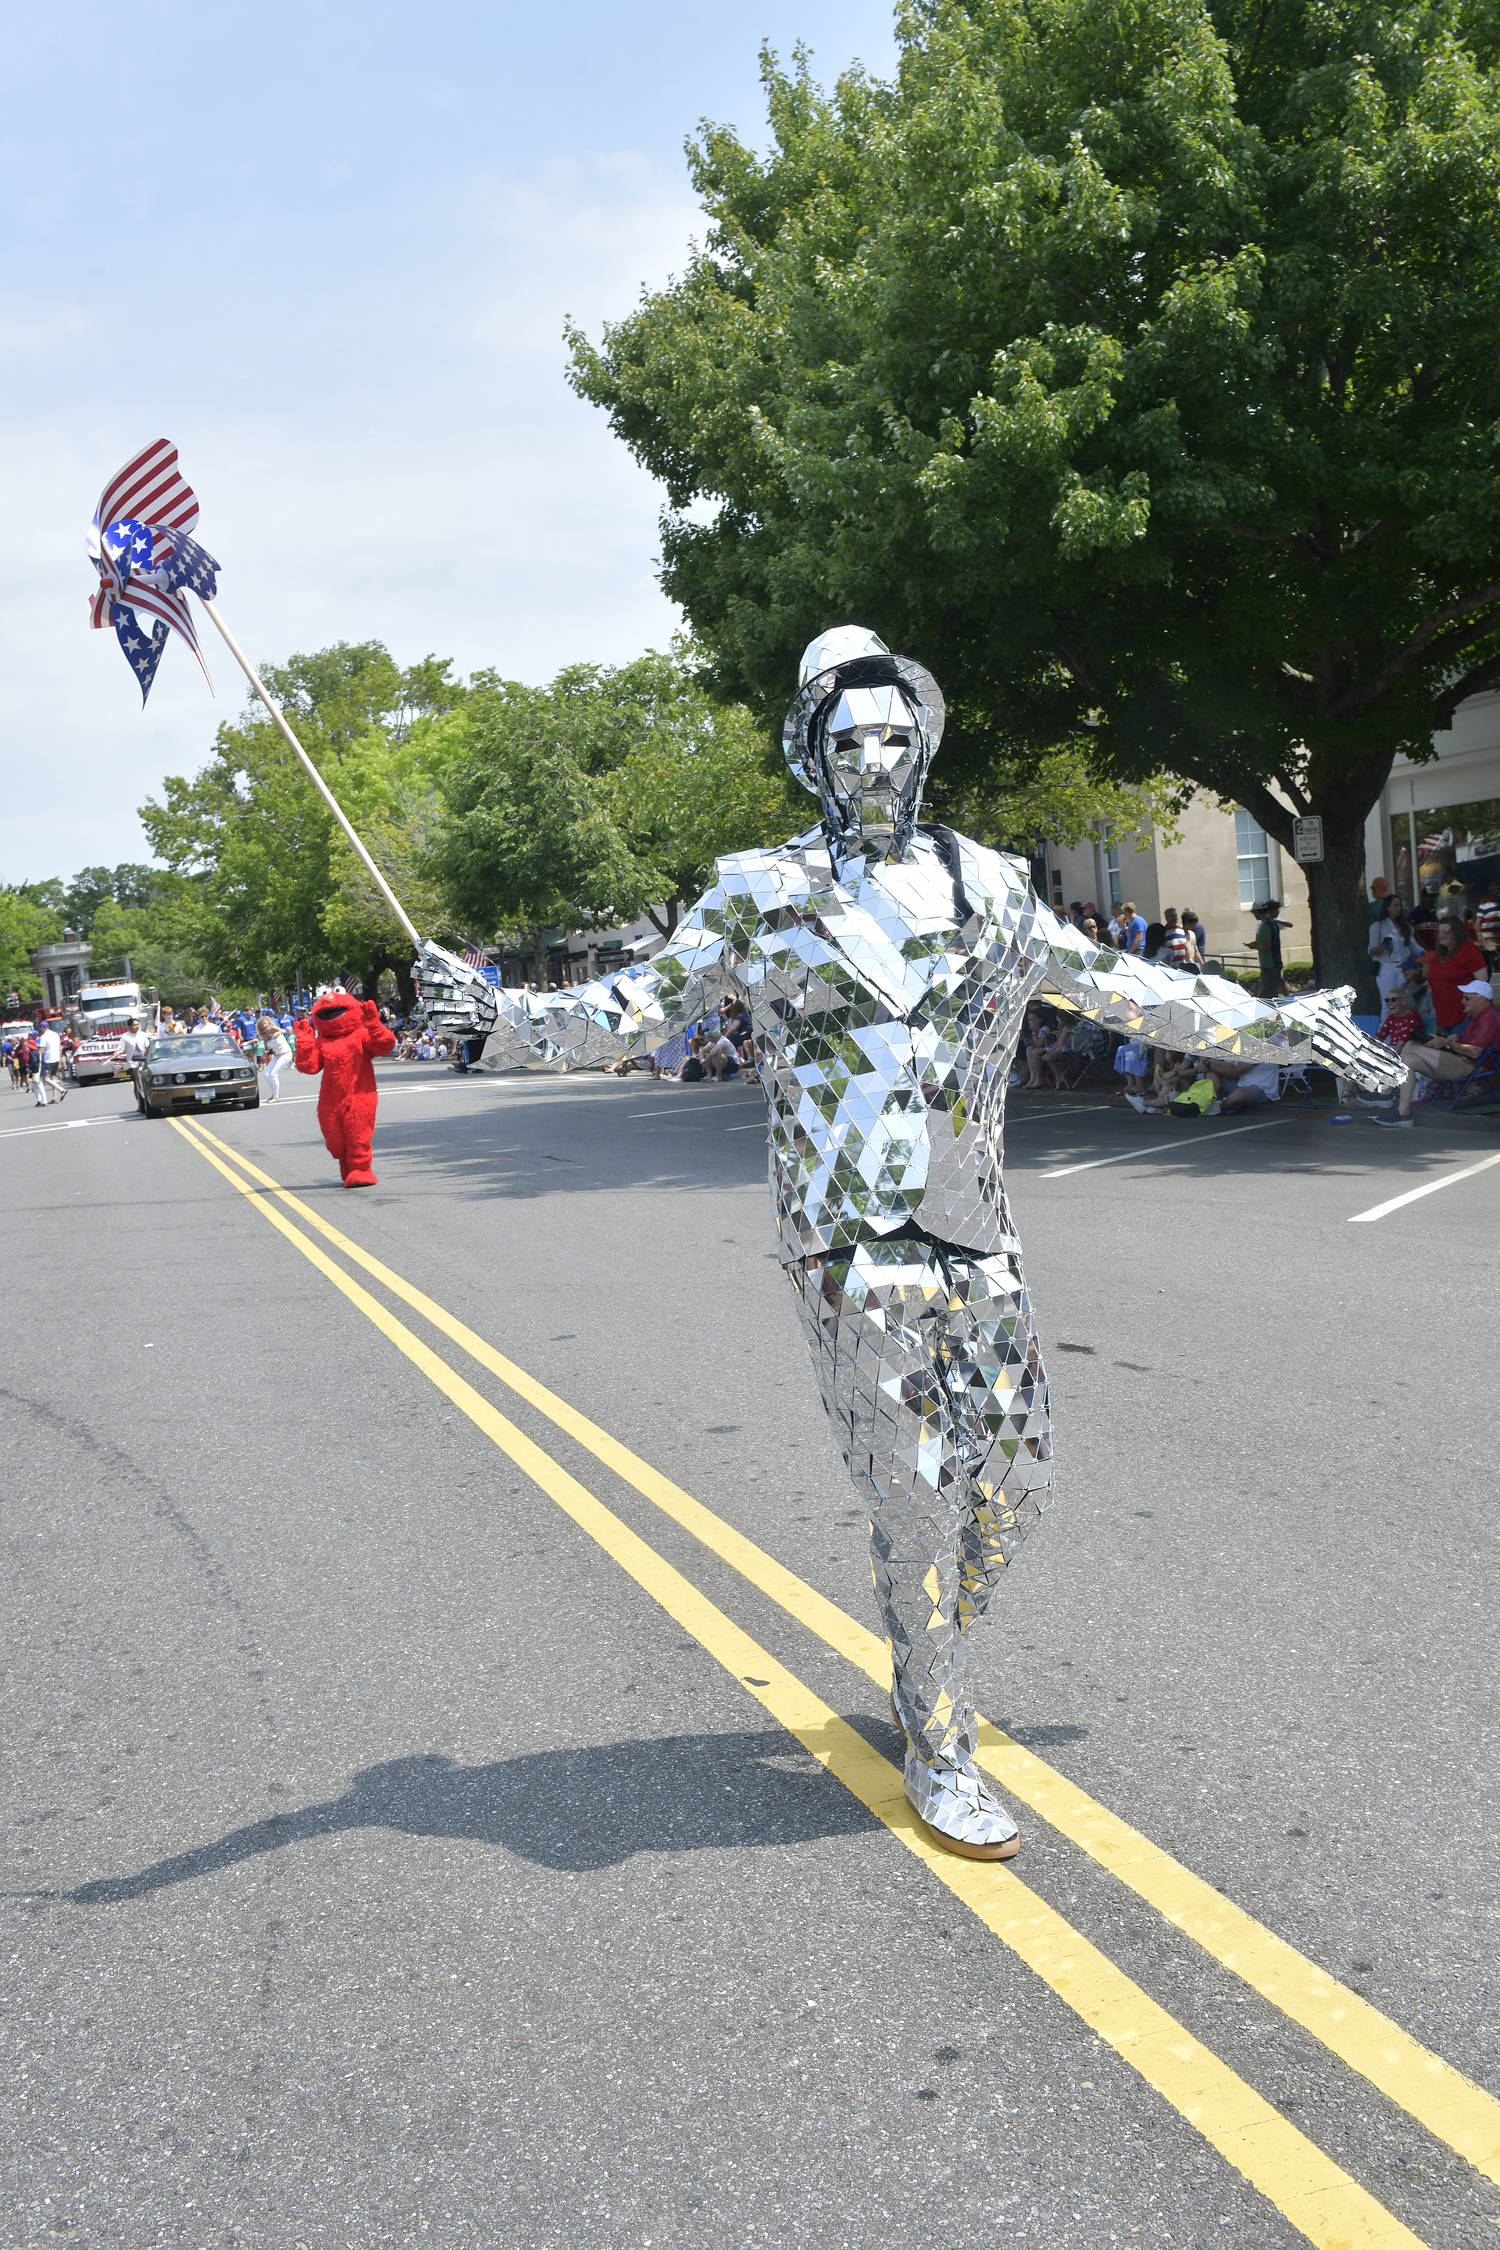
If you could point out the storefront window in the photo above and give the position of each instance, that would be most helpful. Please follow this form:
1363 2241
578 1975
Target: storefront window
1451 851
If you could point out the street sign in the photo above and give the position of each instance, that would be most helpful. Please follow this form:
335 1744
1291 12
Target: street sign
1307 840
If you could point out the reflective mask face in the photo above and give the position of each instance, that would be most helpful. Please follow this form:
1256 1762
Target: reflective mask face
872 761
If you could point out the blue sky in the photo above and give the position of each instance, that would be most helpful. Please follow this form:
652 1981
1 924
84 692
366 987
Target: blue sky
329 251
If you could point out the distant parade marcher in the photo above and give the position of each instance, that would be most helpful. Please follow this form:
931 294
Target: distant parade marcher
49 1066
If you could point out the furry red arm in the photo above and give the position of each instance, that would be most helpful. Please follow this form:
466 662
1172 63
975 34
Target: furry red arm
379 1037
307 1056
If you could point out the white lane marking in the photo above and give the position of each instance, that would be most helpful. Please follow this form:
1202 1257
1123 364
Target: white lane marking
1414 1195
63 1125
1095 1163
663 1109
761 1125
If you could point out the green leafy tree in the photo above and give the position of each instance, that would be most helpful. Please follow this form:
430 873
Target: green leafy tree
51 896
1131 361
268 892
84 896
604 796
24 925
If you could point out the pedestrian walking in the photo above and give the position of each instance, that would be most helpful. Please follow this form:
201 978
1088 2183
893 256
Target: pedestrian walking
278 1050
49 1066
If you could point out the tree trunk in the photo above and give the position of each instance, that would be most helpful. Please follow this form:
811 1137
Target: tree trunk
1335 884
1340 924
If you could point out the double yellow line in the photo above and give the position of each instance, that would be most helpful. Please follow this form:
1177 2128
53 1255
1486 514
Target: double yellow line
1320 2199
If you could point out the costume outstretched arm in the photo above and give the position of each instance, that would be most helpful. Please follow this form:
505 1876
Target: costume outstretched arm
1197 1014
592 1023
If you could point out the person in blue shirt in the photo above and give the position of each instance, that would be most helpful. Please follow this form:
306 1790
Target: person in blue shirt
1135 928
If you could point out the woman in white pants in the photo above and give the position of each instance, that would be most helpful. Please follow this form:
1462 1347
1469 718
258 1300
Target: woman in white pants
278 1052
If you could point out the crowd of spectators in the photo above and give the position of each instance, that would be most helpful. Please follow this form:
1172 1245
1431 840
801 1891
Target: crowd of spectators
715 1049
1437 969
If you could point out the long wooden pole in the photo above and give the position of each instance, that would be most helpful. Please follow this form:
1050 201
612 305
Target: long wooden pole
314 776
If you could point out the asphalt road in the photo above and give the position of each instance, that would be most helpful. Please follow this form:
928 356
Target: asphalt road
385 1864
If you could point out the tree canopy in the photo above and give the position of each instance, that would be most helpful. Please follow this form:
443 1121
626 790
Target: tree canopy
271 887
24 925
603 796
1133 362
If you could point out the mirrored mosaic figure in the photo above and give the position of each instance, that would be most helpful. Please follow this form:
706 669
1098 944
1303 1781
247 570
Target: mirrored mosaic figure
886 964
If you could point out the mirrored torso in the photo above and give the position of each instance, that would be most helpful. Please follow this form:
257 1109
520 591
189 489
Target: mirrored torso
886 999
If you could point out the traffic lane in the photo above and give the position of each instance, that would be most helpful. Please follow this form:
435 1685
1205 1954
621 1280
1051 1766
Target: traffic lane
1279 1566
1153 1656
359 2009
1224 2105
1376 2151
1184 1419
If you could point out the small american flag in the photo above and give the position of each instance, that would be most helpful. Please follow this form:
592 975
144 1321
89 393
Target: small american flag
476 956
146 560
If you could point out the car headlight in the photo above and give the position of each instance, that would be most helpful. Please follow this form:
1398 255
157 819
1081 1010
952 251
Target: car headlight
244 1074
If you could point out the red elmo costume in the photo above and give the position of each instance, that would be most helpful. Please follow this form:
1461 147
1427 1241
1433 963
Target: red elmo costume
338 1041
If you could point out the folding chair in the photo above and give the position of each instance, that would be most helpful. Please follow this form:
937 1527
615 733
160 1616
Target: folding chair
1294 1074
1484 1065
1073 1064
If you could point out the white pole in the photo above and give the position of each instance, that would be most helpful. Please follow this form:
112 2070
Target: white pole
313 774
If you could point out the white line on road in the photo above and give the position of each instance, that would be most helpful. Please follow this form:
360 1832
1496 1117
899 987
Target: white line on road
1414 1195
63 1125
1095 1163
660 1109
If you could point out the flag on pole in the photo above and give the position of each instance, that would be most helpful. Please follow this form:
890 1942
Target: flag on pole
141 547
476 956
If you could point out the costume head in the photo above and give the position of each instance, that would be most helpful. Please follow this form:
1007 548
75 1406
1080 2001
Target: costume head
336 1013
861 735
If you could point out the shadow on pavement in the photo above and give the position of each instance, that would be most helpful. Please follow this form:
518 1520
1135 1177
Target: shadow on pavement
573 1810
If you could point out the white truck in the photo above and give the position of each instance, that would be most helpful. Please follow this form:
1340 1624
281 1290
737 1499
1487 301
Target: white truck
102 1014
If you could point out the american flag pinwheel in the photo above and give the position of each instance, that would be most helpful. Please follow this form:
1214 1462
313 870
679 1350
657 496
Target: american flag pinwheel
140 545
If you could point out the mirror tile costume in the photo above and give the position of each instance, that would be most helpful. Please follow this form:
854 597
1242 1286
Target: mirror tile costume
886 966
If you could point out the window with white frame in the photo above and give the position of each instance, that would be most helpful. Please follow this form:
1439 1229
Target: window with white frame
1112 873
1252 848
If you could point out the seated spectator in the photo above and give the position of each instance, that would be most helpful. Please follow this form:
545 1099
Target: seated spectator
1247 1085
692 1071
1042 1039
1451 1054
720 1058
1171 1079
1401 1023
1133 1062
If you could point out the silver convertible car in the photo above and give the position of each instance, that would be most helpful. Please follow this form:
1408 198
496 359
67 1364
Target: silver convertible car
194 1070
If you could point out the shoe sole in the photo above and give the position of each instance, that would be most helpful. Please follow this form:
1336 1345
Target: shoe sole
1006 1850
969 1851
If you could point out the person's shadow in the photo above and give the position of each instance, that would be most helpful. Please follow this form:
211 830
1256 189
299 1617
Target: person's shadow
577 1810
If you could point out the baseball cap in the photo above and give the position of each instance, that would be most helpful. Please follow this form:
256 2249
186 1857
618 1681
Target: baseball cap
1481 988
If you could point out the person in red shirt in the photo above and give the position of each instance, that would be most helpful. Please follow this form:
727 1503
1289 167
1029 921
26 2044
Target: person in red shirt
1452 1054
1454 962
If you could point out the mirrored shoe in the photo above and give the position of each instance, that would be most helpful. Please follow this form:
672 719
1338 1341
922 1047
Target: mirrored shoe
961 1809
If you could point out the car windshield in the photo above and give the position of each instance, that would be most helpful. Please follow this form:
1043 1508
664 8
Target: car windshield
192 1045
